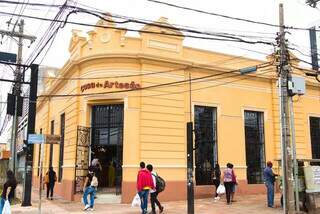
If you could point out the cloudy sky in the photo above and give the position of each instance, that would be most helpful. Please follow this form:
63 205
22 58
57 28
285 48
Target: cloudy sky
297 14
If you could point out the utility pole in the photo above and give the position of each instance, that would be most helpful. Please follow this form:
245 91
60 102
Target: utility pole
286 163
26 201
17 87
190 184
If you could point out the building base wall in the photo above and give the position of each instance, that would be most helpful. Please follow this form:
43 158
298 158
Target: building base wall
175 190
63 189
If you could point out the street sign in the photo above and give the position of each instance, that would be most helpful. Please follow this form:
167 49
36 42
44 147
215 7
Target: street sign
52 139
8 57
35 138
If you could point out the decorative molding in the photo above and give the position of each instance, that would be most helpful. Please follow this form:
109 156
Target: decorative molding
105 37
163 45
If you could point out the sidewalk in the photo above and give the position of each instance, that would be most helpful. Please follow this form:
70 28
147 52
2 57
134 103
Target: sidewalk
244 205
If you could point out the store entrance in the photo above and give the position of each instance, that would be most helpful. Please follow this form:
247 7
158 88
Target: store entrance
107 146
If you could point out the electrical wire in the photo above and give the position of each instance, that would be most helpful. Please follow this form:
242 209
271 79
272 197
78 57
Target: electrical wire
48 36
140 21
186 82
238 40
211 13
153 86
225 16
176 25
176 6
120 76
210 86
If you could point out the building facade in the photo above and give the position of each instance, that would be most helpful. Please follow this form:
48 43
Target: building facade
124 100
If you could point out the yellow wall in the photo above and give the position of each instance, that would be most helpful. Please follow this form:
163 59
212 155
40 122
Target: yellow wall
154 126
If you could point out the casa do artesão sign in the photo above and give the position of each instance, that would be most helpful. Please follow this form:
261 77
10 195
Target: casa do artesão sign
109 84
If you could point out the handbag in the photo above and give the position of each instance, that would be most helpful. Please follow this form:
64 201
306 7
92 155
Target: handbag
6 208
136 202
221 189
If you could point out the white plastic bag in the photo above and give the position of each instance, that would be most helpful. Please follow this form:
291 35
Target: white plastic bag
221 189
6 208
136 202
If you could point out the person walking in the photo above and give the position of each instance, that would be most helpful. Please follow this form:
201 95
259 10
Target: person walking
227 180
153 192
234 184
144 185
50 180
8 189
89 188
216 176
269 179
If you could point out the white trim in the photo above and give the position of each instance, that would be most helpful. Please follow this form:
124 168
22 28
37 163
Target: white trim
206 104
258 109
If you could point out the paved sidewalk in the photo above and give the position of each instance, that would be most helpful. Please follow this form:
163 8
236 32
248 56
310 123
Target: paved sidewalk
244 205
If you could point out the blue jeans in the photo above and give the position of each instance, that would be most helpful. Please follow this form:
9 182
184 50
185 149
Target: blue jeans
1 204
89 191
270 193
144 200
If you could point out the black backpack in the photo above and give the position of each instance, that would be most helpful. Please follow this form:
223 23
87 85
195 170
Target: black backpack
160 183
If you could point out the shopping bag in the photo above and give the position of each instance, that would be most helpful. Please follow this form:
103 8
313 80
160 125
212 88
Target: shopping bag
136 202
221 189
6 208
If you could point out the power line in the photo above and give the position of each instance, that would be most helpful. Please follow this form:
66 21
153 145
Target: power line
211 86
141 21
177 25
168 4
224 16
120 76
153 86
221 62
194 89
150 32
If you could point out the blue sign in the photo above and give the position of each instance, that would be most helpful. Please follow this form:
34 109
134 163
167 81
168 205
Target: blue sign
35 138
8 57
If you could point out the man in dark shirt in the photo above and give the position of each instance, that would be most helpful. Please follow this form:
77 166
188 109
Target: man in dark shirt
51 180
269 179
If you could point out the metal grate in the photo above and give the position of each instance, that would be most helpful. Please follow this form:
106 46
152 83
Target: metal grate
205 143
82 157
255 151
315 137
107 133
62 132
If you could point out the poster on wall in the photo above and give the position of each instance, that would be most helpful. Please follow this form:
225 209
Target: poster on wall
312 178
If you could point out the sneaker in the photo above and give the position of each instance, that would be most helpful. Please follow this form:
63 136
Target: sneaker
218 198
86 207
91 209
161 209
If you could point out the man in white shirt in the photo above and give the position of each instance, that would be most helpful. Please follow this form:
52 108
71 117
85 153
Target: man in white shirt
153 192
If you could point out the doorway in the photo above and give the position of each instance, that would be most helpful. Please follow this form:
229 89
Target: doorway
107 146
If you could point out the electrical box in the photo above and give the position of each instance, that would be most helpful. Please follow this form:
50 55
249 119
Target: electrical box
297 86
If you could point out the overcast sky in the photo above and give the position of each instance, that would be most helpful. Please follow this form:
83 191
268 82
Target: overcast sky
296 12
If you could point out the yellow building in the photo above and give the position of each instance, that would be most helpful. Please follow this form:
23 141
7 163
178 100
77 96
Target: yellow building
108 103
